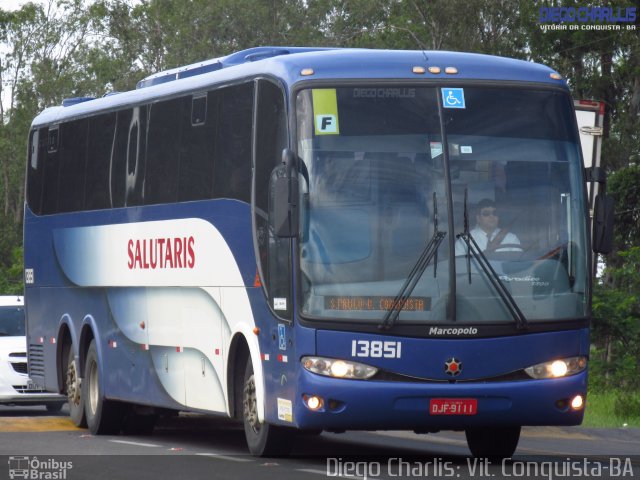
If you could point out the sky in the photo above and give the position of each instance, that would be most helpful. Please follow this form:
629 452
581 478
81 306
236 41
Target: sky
17 4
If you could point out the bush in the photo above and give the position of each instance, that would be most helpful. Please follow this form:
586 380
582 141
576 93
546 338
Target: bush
626 404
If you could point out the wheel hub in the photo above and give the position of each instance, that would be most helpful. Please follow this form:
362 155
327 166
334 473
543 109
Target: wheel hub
250 405
73 384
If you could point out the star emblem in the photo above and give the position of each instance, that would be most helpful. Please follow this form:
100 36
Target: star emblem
453 367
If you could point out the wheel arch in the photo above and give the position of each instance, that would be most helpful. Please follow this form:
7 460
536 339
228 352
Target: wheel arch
243 348
65 341
88 332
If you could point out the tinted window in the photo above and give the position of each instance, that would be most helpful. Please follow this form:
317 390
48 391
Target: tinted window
233 146
162 168
35 169
73 153
101 141
51 171
118 163
197 148
271 139
136 152
191 148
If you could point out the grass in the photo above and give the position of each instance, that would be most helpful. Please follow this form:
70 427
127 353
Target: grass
612 409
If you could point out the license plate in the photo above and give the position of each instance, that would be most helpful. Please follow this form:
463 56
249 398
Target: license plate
33 386
453 406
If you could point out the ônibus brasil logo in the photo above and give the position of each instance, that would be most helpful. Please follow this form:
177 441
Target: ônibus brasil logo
36 469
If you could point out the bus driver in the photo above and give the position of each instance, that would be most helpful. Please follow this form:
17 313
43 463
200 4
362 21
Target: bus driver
486 233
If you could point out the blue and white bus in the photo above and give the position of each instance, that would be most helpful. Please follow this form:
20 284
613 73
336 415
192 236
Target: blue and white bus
294 237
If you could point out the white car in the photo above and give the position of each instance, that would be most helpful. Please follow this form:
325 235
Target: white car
15 386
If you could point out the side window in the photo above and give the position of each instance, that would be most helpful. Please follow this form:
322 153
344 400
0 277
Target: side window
273 252
197 147
232 176
102 130
118 159
51 172
72 158
136 153
163 151
35 168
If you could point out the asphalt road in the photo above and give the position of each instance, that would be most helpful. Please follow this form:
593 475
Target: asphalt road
195 446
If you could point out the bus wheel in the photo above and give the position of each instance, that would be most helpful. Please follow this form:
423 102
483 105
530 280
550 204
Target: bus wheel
493 442
104 417
135 423
53 407
262 439
73 389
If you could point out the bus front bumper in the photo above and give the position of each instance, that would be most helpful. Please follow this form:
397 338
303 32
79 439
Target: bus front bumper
375 405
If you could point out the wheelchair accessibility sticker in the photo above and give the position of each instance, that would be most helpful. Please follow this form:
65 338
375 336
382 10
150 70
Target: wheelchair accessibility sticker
453 98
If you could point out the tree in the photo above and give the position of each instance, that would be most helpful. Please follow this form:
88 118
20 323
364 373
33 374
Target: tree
616 328
624 186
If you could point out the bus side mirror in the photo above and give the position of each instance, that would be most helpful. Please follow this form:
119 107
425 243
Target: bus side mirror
603 224
283 211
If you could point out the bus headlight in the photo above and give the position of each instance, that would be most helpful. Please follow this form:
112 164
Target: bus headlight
563 367
331 367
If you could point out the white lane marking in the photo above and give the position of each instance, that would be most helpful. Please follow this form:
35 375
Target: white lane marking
311 470
425 438
323 472
225 457
138 444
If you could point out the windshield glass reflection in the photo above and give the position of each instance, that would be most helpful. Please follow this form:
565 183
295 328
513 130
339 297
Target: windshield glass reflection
376 170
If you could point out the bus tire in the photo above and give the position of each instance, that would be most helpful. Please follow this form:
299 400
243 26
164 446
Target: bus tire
73 390
53 407
263 439
135 423
104 417
494 443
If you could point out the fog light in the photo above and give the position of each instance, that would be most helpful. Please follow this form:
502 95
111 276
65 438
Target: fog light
577 402
313 402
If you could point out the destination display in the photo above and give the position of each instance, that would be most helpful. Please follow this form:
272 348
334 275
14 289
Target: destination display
411 304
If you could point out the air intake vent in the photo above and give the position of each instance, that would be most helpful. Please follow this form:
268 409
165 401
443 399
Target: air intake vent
36 359
27 389
20 367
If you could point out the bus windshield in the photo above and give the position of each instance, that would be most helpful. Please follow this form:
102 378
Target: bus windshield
495 172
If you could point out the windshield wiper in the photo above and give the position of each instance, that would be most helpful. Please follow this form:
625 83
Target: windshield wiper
480 257
429 252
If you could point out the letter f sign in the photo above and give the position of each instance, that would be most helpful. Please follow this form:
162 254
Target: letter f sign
326 124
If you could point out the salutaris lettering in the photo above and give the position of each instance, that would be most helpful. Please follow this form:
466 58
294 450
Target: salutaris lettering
156 253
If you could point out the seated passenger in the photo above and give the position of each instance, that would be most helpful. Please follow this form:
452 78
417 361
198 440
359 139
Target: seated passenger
486 233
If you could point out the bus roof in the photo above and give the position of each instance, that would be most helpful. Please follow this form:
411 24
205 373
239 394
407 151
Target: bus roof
288 64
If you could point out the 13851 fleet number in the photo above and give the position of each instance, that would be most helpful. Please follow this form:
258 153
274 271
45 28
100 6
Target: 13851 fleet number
376 349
